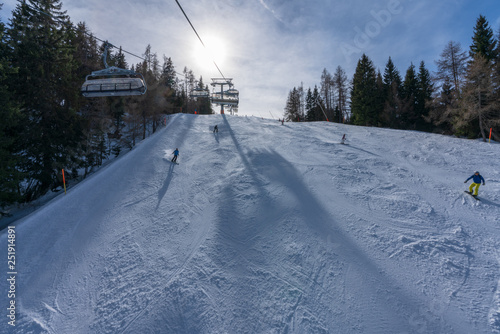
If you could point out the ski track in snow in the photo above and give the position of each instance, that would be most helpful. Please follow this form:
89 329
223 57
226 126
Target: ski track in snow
268 228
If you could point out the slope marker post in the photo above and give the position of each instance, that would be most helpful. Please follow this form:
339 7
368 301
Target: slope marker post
64 182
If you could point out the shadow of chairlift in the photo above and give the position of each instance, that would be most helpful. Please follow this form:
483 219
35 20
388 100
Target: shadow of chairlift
113 81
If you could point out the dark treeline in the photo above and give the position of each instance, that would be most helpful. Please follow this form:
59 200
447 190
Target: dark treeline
462 98
45 123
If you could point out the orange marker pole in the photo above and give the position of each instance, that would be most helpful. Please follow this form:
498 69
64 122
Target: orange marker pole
489 141
64 181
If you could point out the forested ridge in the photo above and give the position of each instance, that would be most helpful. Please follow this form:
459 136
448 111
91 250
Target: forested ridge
47 125
461 98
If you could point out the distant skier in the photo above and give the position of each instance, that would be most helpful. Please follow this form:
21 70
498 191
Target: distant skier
343 139
216 129
476 178
176 153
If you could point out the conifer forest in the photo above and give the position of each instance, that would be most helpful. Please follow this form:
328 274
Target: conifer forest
47 125
462 98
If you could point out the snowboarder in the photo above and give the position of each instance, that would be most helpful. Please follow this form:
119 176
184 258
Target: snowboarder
476 178
216 129
176 153
343 139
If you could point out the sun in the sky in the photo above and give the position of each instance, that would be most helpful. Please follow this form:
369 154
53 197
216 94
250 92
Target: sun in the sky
214 50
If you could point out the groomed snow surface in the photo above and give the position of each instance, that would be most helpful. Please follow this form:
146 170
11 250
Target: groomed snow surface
268 228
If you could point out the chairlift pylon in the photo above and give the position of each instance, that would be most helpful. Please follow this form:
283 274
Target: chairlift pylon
113 81
229 97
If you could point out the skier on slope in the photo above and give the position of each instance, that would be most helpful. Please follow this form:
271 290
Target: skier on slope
343 139
476 178
175 153
216 129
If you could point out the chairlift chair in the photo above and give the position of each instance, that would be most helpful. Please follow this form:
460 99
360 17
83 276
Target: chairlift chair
199 92
232 91
227 98
113 81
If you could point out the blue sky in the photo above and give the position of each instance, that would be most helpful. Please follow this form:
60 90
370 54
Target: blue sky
270 46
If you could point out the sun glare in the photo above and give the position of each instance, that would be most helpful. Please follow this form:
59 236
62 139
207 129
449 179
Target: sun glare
214 50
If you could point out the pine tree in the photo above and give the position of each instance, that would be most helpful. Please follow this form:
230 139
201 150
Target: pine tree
293 106
313 108
392 94
310 112
10 151
480 102
443 108
117 105
483 41
43 53
168 79
93 111
380 98
203 105
409 93
425 90
364 94
119 60
496 81
479 107
168 75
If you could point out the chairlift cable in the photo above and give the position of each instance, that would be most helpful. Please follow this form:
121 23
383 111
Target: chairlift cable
187 18
71 26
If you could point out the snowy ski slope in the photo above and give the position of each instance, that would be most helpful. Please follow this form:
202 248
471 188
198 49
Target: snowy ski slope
268 228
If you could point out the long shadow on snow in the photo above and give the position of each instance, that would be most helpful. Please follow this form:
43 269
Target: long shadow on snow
177 136
230 213
486 201
180 138
166 184
240 229
350 146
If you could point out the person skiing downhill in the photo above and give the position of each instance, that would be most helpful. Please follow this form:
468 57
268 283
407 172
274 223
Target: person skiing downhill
343 139
176 153
476 178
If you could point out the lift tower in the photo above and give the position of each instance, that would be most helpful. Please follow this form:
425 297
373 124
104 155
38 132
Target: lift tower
229 97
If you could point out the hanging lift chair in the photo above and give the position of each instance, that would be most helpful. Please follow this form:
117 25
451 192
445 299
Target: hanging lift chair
113 81
228 97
